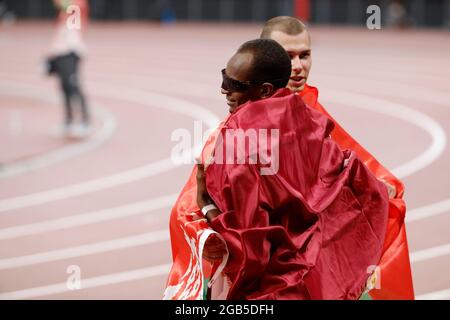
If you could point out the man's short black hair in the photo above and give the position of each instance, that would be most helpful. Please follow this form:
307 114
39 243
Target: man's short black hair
270 63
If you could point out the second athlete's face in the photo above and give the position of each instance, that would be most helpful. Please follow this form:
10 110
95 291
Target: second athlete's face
299 49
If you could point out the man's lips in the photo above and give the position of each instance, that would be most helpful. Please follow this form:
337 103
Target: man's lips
231 104
297 78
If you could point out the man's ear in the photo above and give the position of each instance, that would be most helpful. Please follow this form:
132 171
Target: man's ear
266 90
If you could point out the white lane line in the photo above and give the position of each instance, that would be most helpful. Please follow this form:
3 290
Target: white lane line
437 295
430 253
157 100
138 208
93 248
53 157
169 85
139 274
86 187
399 111
376 105
148 238
394 89
88 218
152 205
428 211
123 94
108 279
105 132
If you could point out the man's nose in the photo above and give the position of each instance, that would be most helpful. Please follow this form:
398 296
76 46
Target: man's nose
223 91
296 64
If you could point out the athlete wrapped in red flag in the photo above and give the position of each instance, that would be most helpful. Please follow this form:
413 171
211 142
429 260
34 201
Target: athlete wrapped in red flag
311 230
392 278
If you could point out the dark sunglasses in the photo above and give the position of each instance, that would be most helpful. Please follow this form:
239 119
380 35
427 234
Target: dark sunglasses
233 85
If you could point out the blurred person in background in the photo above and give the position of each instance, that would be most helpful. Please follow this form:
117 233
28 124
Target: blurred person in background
66 53
166 13
394 270
397 16
7 17
3 8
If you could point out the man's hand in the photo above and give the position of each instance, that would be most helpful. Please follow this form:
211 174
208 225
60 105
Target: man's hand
203 197
214 248
212 214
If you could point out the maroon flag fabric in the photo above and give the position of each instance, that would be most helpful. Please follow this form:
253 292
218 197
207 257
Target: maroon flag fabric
315 227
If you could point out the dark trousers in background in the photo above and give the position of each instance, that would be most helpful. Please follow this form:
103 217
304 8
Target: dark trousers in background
66 68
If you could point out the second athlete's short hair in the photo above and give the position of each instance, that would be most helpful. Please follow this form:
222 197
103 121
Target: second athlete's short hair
285 24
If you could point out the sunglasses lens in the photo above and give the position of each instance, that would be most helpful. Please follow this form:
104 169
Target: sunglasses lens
232 85
225 85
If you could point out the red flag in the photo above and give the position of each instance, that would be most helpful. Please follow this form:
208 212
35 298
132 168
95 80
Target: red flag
314 226
392 278
188 233
394 273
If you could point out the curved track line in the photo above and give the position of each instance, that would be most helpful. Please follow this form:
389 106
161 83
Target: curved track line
428 211
429 125
372 104
86 187
399 111
93 282
138 96
55 156
84 250
398 90
88 218
437 295
156 204
156 100
430 253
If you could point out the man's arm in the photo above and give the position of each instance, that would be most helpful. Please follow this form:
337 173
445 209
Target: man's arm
214 247
203 198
